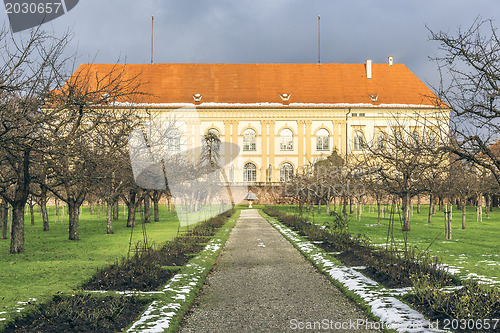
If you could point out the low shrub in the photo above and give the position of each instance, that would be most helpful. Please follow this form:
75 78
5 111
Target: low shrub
472 301
394 267
80 313
145 271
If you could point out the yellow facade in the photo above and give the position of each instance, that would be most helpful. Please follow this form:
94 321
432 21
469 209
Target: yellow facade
267 152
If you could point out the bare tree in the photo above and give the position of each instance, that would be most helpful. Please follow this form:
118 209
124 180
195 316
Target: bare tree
401 162
86 102
463 179
469 63
29 69
329 175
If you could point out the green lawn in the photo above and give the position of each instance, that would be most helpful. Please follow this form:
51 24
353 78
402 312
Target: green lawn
475 250
51 263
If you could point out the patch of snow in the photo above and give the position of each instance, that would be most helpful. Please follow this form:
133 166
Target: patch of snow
159 314
391 311
275 105
156 318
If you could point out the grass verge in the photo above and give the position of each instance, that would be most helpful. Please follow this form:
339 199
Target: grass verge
473 252
84 310
468 302
52 264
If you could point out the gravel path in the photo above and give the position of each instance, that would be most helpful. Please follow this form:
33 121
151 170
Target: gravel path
261 283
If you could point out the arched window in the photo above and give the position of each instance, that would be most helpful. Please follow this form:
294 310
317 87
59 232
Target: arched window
286 139
249 172
415 139
322 140
381 141
432 139
249 140
174 140
208 141
214 131
286 172
358 140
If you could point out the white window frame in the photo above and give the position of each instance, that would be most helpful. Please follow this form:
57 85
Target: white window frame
358 140
286 139
286 172
322 140
249 140
249 172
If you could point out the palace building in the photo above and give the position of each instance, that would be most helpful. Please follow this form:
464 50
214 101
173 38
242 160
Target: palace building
286 116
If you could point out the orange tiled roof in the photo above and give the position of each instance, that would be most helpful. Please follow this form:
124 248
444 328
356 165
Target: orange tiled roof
260 83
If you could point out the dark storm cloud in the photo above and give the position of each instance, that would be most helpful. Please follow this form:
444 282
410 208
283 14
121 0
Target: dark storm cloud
248 31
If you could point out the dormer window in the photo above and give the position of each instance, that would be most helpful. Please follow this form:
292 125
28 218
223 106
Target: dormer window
197 97
373 97
285 97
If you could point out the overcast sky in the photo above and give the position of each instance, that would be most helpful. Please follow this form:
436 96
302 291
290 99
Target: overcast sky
267 31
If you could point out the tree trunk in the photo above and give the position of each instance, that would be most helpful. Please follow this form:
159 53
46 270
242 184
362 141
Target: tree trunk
131 215
131 205
56 212
147 209
328 208
447 222
109 216
431 208
464 211
406 211
45 215
17 231
418 204
360 208
378 211
115 210
488 204
32 213
445 226
344 209
4 210
479 208
73 209
156 209
91 206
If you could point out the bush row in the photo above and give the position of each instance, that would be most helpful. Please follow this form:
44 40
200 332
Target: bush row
148 268
407 267
392 265
152 266
81 313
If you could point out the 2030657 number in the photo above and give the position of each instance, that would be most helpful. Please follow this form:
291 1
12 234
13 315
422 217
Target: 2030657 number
33 8
471 324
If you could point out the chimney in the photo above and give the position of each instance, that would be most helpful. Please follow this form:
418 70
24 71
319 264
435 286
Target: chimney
368 69
391 60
